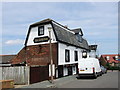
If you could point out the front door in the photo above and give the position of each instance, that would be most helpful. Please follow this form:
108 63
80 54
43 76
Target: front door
70 70
60 71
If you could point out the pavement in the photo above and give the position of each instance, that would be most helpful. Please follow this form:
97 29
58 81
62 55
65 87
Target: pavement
57 82
47 84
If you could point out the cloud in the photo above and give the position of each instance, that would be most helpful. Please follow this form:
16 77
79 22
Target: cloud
93 33
98 20
14 42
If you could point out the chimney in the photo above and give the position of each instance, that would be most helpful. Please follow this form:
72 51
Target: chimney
66 26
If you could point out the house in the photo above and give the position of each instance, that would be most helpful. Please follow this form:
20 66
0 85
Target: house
5 60
68 46
111 59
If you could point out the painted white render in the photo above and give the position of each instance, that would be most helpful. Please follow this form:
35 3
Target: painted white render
56 73
61 54
65 71
93 53
34 33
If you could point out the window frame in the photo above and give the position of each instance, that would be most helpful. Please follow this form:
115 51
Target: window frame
83 55
76 55
39 34
67 51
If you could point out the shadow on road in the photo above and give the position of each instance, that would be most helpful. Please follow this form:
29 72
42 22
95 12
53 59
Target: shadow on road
85 77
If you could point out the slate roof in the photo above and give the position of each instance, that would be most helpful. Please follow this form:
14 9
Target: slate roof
61 34
68 37
78 30
93 47
42 22
6 59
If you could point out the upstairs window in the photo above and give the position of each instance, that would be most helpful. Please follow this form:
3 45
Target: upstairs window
108 57
40 30
116 57
84 54
79 38
76 55
67 55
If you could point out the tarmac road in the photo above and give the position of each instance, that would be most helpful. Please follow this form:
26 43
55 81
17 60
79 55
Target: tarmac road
109 80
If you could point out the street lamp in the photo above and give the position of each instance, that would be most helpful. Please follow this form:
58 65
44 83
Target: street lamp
51 59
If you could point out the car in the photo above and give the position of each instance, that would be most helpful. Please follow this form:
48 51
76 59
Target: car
103 69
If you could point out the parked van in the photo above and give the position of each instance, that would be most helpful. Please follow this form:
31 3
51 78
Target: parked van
89 67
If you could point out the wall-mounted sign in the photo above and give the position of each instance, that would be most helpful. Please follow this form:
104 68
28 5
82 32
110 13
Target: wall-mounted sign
41 39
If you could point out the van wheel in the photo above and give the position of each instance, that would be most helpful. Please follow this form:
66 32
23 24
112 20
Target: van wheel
95 75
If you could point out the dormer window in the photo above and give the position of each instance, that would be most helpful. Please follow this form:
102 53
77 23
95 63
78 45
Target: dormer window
116 57
108 57
79 38
40 30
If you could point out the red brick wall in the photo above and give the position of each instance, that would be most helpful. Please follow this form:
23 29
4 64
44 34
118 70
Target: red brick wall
37 55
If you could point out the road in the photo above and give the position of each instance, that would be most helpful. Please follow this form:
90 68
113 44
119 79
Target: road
109 80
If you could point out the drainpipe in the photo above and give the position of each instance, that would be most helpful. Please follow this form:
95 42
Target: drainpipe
51 59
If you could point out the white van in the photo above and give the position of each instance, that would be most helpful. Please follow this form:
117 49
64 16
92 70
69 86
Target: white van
89 67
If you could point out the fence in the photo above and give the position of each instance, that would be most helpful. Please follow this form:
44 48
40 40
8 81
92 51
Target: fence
20 74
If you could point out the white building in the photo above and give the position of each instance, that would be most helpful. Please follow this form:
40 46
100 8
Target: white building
68 47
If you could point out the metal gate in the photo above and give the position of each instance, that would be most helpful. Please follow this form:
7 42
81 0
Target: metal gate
38 74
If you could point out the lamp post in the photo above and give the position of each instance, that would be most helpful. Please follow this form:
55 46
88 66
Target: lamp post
51 59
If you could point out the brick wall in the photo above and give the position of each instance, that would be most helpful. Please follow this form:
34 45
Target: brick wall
37 55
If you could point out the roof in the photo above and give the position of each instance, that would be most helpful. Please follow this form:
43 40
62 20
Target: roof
42 22
93 47
61 34
78 30
6 59
111 58
68 37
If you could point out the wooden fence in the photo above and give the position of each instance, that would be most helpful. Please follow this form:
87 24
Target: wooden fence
20 74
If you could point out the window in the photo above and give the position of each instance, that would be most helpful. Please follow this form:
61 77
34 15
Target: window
116 57
84 54
67 55
108 57
40 30
76 55
79 38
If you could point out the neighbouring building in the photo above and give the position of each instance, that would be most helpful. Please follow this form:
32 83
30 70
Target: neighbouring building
68 47
111 59
5 60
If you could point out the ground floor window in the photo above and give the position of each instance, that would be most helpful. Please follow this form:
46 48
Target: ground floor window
67 55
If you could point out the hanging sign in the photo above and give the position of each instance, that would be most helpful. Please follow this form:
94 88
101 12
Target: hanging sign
41 39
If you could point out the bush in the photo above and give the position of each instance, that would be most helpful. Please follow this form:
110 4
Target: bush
113 68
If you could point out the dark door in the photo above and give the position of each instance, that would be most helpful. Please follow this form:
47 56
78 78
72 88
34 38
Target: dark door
38 74
70 70
76 65
60 71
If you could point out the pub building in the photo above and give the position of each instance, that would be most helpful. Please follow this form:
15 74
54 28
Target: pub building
68 47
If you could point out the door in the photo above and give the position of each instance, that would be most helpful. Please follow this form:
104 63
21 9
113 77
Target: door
60 71
70 70
38 74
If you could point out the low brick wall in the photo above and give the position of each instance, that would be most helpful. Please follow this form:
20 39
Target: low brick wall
7 83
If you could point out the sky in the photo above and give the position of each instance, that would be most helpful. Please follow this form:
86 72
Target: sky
98 21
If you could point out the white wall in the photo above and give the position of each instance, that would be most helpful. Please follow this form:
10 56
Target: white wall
65 71
61 54
93 53
34 33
